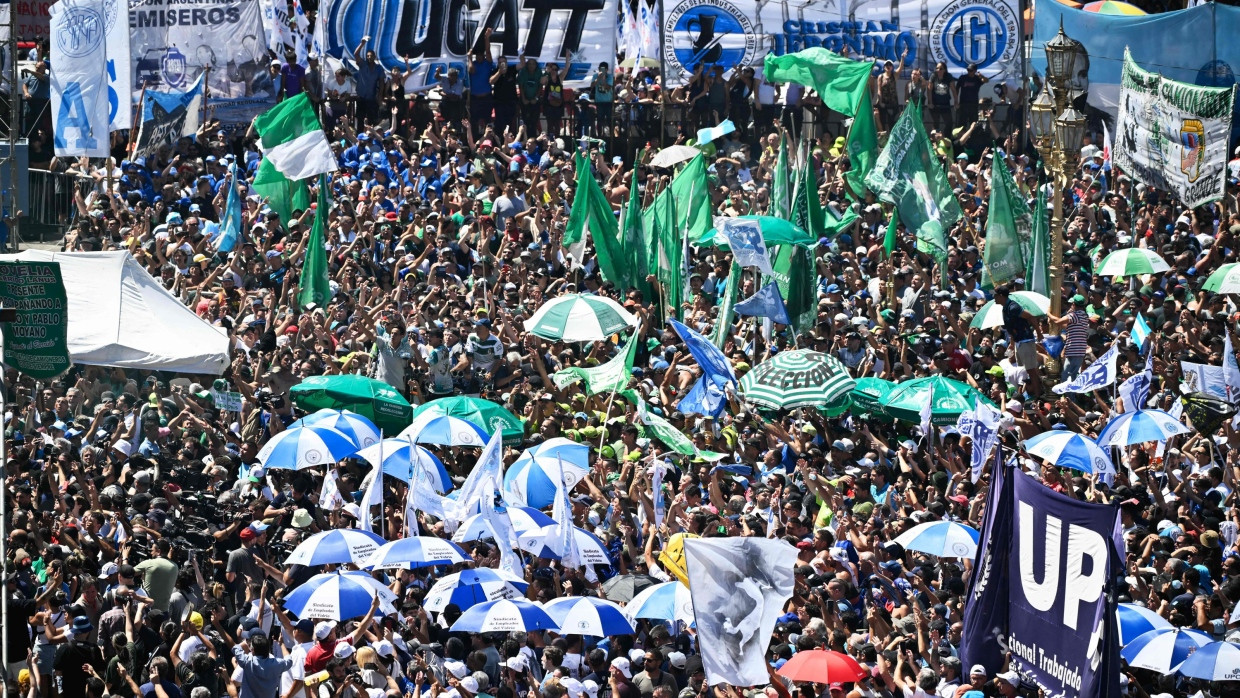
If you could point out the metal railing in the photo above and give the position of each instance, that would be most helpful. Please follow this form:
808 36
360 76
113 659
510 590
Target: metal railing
52 209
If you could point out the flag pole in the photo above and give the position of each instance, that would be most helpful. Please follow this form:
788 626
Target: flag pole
662 75
606 413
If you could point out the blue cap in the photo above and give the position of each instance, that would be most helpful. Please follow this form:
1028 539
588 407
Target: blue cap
210 158
58 424
658 365
833 288
482 322
363 136
426 162
174 217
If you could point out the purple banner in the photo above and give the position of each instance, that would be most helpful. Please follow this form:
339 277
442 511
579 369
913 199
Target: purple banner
1042 589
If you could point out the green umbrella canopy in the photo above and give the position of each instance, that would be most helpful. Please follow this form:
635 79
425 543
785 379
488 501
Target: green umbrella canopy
775 231
948 398
797 378
868 393
371 398
1130 261
484 414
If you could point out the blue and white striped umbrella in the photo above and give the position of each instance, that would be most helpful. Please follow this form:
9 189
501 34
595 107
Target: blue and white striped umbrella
1163 650
416 551
1135 621
530 480
304 447
524 520
502 616
1140 426
1217 661
361 430
540 542
587 615
338 596
471 587
667 601
399 458
444 430
1067 449
335 547
941 538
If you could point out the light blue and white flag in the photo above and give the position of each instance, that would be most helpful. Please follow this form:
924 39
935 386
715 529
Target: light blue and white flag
745 238
765 303
708 396
120 77
1140 331
1231 372
79 79
1136 390
981 425
230 225
1099 374
710 133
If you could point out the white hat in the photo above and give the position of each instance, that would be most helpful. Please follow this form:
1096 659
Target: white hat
457 669
470 684
621 665
978 670
516 663
384 649
591 688
343 650
1012 678
124 447
109 570
324 628
573 686
636 654
677 659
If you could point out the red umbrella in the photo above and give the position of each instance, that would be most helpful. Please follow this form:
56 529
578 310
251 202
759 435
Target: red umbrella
822 666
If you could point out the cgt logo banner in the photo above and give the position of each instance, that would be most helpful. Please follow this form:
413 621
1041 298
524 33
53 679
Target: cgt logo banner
1042 589
79 80
737 33
576 35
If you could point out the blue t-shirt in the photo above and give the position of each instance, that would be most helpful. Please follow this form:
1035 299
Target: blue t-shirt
480 80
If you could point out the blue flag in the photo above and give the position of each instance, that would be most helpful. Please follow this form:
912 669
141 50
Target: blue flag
765 303
230 225
1099 374
707 397
744 237
1140 331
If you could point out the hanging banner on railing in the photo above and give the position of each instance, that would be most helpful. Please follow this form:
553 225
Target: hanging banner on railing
576 35
734 33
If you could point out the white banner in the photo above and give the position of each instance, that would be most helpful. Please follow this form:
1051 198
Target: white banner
79 79
735 33
120 77
1172 135
276 26
576 35
739 587
1203 378
173 41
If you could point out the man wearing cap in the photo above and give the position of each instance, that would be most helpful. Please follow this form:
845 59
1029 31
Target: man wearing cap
159 574
245 564
73 655
620 679
326 640
1075 329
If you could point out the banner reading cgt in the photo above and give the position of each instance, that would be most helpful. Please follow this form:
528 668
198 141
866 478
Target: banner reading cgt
37 342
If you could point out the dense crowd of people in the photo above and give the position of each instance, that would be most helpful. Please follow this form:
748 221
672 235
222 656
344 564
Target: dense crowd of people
145 543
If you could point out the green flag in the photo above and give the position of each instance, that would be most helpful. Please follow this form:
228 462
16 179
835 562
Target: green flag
592 217
781 195
1003 257
315 282
862 146
292 139
608 377
723 324
281 193
796 276
889 240
908 175
806 208
660 428
671 251
1039 277
634 240
691 189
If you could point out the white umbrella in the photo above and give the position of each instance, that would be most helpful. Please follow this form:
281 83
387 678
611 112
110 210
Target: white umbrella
579 317
940 538
335 547
587 615
416 551
673 155
524 520
540 543
503 616
361 430
338 596
304 447
469 587
666 601
1131 261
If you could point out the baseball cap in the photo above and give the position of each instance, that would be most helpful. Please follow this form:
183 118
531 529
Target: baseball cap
978 670
323 629
622 665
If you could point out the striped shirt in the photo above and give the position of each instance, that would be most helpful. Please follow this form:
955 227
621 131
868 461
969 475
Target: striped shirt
1076 333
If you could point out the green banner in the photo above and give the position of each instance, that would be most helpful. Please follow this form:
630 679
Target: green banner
37 342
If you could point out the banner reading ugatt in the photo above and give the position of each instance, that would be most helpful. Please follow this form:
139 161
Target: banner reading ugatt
1043 590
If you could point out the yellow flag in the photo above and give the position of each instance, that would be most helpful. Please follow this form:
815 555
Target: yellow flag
673 557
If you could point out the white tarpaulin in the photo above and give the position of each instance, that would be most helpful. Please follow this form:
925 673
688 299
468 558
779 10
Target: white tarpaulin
1172 135
119 315
734 33
739 587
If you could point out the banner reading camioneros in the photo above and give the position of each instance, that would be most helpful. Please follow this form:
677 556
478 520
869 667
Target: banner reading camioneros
735 33
576 35
1172 135
1042 589
173 41
37 342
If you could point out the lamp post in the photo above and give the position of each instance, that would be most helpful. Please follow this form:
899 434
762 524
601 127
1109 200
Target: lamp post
1058 130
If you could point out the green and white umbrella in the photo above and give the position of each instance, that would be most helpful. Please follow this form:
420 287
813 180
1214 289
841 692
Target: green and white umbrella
948 398
797 378
1225 279
991 314
578 317
1131 261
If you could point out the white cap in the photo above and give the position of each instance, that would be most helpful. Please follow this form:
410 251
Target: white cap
677 659
343 650
591 688
324 628
109 570
1012 678
516 663
636 653
573 686
384 648
621 665
457 669
124 447
978 670
470 684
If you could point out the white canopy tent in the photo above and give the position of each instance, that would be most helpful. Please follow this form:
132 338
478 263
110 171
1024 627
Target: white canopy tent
119 315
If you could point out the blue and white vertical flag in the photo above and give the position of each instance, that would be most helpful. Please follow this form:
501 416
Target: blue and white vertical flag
1140 331
656 486
1136 390
230 225
566 533
710 133
301 37
744 236
1099 374
981 424
79 79
1231 372
481 483
925 416
329 495
765 303
120 77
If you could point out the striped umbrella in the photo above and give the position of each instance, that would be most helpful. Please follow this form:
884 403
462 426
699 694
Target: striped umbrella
335 547
1217 661
1225 279
305 447
991 315
351 424
1113 7
586 615
577 317
667 601
524 520
539 543
1070 450
1130 261
400 457
338 596
444 430
469 587
941 538
1140 426
531 479
503 616
416 551
1135 621
1163 650
797 378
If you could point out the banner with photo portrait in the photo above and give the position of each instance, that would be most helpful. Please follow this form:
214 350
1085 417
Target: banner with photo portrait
737 33
1172 135
174 41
